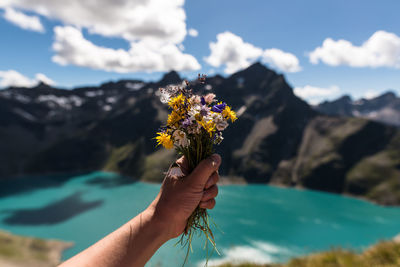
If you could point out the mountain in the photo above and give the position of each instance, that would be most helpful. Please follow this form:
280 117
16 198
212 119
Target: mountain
384 108
278 138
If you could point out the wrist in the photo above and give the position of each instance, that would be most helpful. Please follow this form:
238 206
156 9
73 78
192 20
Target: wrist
160 226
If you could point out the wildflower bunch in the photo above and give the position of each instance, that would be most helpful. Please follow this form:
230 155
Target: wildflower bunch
193 127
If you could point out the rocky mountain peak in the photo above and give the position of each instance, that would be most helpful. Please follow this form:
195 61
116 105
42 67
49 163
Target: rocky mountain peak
171 77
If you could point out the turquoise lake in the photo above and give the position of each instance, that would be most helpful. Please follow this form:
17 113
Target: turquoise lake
260 223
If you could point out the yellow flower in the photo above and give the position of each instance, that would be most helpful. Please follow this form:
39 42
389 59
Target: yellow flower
209 126
177 102
173 118
165 140
228 113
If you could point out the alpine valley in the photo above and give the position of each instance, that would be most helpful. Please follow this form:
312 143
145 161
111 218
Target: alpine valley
278 138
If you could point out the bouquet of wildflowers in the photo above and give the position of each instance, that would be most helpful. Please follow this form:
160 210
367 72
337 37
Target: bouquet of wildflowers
194 126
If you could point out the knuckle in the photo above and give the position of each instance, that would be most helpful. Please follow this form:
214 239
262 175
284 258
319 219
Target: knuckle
212 204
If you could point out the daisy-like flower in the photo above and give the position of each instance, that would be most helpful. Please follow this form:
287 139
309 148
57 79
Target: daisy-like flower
165 140
193 127
173 119
180 138
164 96
220 122
177 102
204 111
194 111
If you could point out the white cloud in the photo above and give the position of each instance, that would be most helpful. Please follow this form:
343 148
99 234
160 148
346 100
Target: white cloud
14 78
230 50
26 22
282 60
40 77
315 94
155 30
181 47
72 48
128 19
382 49
371 94
193 32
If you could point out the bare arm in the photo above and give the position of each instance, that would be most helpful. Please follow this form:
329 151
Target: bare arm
134 243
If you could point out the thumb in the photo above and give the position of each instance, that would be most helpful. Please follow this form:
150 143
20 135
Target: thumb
203 171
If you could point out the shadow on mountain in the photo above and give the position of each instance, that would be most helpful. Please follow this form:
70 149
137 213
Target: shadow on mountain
54 213
14 186
110 182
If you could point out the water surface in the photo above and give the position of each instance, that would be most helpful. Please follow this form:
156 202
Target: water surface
260 223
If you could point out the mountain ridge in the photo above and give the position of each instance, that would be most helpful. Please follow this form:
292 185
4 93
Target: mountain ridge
278 138
383 108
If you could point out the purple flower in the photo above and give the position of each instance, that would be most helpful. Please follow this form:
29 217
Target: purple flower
204 111
186 123
203 101
218 108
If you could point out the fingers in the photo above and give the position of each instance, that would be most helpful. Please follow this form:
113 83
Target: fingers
212 180
209 204
210 193
203 171
183 164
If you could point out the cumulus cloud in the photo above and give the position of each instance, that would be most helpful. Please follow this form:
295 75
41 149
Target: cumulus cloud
230 50
382 49
128 19
193 32
26 22
155 30
281 60
72 48
315 94
14 78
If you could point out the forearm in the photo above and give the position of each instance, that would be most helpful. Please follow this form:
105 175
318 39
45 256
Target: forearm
133 244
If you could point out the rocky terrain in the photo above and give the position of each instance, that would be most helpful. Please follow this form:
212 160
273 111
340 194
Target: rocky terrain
18 251
384 108
383 254
278 138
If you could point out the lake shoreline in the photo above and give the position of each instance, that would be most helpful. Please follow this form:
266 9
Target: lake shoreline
272 221
224 180
20 251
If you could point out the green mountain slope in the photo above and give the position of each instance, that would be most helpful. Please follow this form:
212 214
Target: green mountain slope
277 139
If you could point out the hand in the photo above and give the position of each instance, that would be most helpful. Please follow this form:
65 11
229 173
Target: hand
180 196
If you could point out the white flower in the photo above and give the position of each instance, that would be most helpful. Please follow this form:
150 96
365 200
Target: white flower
221 125
218 138
164 95
180 138
194 110
195 99
220 122
209 98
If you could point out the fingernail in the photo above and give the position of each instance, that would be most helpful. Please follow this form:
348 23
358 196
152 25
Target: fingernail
215 159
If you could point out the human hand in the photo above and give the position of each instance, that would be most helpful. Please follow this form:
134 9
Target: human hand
180 196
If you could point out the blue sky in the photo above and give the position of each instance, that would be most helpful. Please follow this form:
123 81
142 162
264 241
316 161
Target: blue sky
93 44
